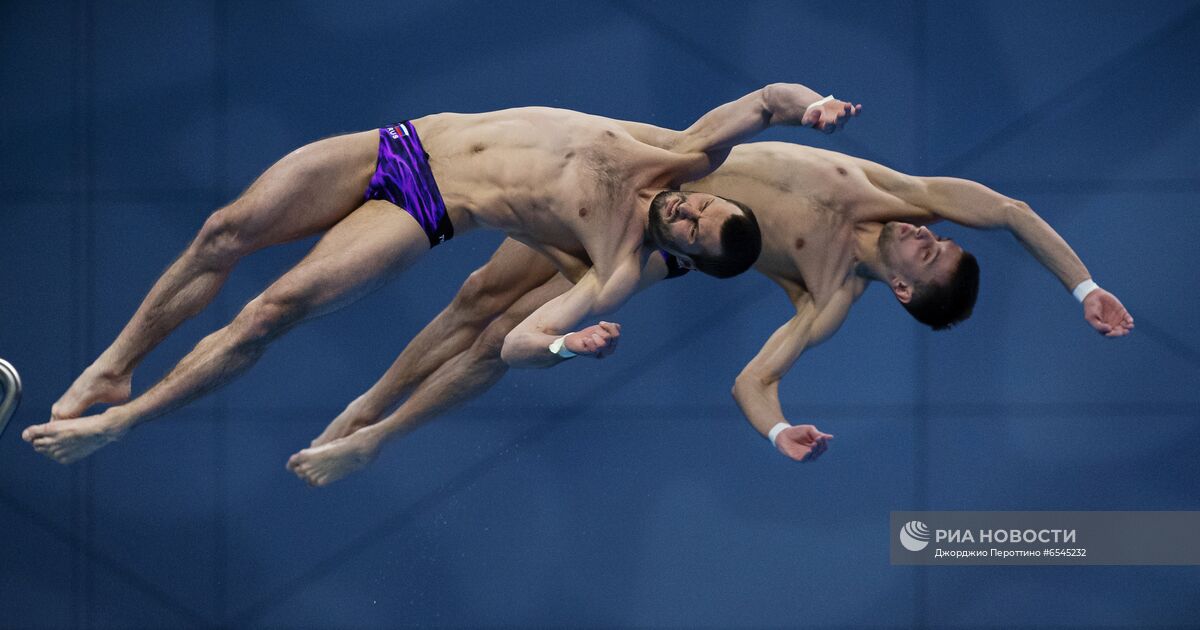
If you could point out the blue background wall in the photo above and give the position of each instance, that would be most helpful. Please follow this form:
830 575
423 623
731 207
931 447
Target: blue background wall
629 492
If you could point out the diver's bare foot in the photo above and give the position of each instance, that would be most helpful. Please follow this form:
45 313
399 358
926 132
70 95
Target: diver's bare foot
323 465
346 423
69 442
94 386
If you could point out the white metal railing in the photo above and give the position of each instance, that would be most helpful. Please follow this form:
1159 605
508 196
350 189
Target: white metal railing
10 381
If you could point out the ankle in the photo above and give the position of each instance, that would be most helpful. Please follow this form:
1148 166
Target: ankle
117 423
369 438
361 412
110 370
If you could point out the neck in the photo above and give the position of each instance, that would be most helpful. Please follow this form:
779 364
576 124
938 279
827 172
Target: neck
644 197
868 262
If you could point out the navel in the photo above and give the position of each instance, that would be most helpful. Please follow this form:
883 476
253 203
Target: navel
841 171
799 243
478 148
583 212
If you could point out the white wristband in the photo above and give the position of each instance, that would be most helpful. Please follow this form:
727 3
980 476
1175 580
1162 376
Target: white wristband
1084 288
818 104
559 348
776 430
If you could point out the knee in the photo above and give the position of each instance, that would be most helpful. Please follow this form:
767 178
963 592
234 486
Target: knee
480 298
490 342
266 317
223 239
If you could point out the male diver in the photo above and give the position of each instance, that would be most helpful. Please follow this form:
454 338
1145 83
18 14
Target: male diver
831 224
574 187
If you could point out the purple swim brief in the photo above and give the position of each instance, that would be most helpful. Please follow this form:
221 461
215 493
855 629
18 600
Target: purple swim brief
402 177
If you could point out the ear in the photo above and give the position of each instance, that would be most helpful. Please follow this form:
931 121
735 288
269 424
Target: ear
901 289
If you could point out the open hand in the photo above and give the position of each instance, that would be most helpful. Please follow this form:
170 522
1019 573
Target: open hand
830 116
598 341
803 442
1106 314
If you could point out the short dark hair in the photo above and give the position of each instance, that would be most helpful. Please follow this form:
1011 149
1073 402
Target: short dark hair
741 243
941 306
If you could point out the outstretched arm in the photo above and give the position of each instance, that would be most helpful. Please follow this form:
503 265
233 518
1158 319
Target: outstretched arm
709 139
974 205
756 389
530 343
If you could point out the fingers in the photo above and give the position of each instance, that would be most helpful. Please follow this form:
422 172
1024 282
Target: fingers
832 117
614 335
818 448
613 328
811 118
1098 323
599 340
816 434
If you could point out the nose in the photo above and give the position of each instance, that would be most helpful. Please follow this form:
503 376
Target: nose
923 232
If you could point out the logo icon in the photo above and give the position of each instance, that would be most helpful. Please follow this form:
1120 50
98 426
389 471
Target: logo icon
914 535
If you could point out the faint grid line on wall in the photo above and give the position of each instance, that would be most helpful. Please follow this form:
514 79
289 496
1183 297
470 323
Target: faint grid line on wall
220 517
922 376
93 556
80 260
736 75
1084 85
392 524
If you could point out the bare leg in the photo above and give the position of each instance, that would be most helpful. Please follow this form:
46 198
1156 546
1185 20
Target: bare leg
303 194
513 271
350 260
463 377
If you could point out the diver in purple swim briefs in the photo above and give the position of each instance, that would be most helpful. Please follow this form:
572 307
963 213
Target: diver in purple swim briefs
581 190
402 177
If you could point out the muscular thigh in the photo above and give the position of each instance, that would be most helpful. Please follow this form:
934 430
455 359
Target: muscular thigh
512 271
308 190
492 339
356 256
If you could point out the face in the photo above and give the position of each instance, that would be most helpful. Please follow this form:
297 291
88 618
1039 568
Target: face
915 255
689 223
